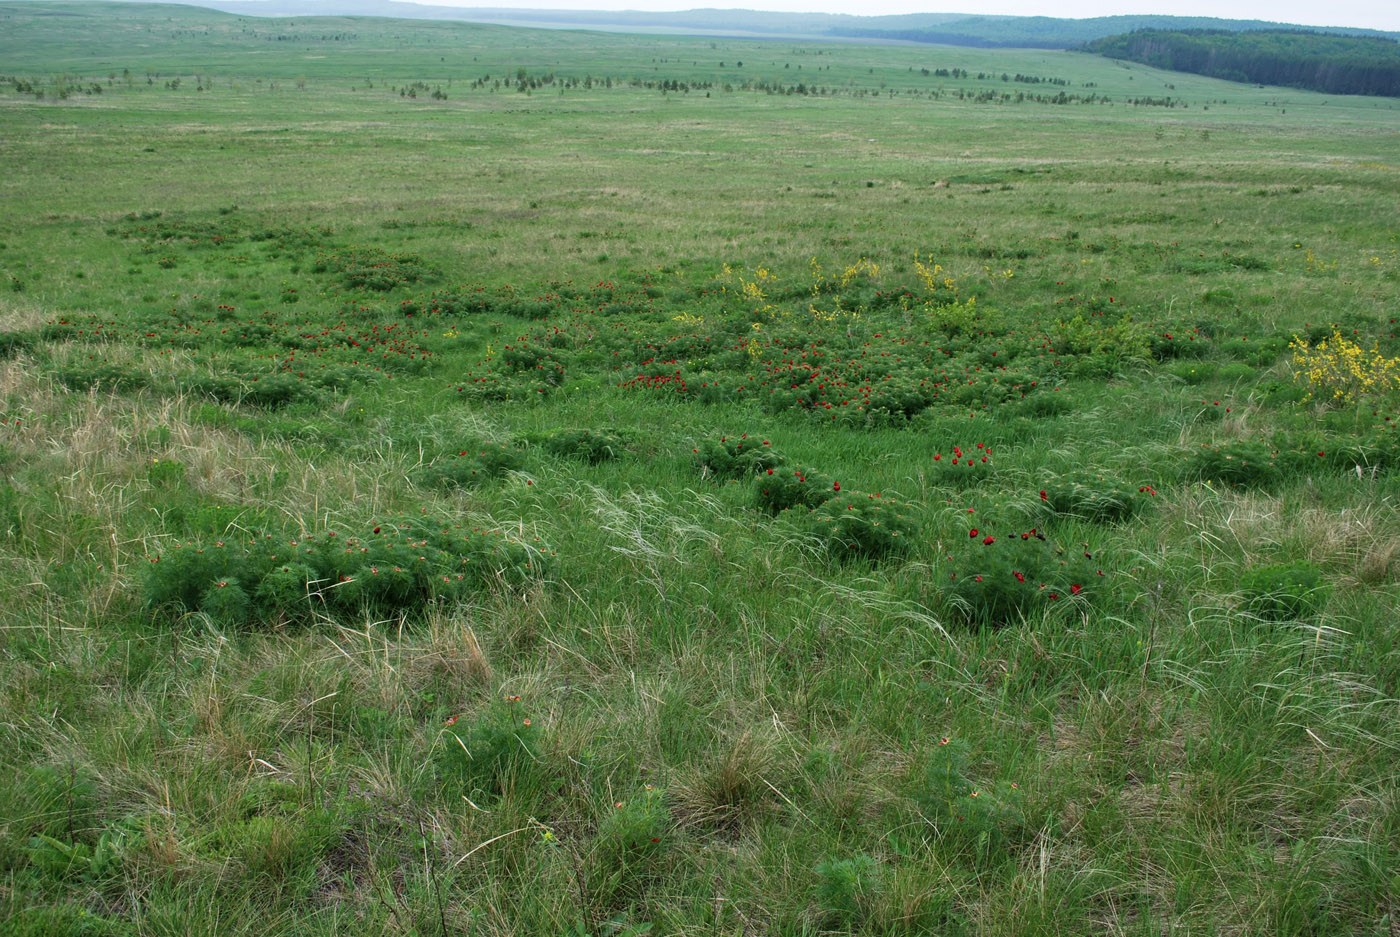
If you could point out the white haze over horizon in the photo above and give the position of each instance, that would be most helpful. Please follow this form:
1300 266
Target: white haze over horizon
1366 14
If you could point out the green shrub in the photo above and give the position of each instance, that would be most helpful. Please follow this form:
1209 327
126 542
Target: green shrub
861 525
226 602
1094 496
1103 349
847 890
403 565
628 849
777 489
586 445
1192 372
998 573
165 473
290 591
371 268
99 375
979 821
735 457
473 465
1240 464
13 343
495 756
1284 591
961 468
491 387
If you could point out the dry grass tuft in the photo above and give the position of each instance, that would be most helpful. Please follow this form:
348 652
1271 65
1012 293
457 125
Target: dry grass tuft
733 787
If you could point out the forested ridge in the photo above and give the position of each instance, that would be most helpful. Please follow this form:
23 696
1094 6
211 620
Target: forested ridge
1294 58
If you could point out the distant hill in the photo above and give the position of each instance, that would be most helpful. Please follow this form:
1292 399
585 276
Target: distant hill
958 29
1043 32
1335 64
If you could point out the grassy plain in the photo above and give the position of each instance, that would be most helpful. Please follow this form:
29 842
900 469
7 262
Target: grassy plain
324 613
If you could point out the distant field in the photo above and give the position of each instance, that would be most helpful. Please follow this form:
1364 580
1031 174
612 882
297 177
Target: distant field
461 479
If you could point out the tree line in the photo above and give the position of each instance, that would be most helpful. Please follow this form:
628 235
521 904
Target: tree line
1292 58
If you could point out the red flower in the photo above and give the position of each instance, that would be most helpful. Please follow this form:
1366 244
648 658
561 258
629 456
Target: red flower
972 533
988 540
836 486
1076 589
938 457
1043 495
1019 577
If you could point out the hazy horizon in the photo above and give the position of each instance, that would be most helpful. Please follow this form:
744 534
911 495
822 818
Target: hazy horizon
1363 14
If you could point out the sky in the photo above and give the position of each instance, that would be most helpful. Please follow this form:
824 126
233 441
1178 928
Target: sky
1371 14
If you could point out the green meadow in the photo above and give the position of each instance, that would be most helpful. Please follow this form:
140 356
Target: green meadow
469 480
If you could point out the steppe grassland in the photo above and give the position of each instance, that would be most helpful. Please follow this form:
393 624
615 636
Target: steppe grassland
300 302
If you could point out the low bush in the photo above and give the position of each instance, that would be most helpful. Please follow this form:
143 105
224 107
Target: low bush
861 525
997 574
961 468
777 489
1284 591
585 445
495 756
473 466
403 565
1095 496
735 457
1239 464
847 890
979 820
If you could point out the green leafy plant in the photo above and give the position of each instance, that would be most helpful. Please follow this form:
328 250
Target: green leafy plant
1284 591
96 862
403 565
862 525
777 489
998 573
628 849
1095 496
979 819
495 756
372 268
735 457
473 465
586 445
1239 464
847 889
961 468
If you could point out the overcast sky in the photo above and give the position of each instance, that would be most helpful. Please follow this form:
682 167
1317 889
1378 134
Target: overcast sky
1372 14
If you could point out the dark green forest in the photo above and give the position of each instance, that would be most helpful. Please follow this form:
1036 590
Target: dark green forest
1296 59
1040 32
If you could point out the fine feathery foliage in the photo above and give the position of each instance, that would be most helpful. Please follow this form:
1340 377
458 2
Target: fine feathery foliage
399 566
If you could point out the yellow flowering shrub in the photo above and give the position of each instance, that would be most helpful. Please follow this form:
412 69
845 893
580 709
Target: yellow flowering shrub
1340 371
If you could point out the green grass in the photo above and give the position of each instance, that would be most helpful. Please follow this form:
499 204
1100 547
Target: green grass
507 330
